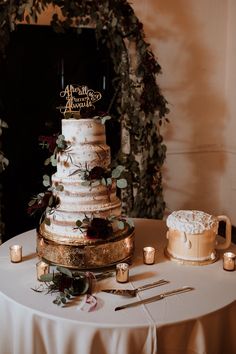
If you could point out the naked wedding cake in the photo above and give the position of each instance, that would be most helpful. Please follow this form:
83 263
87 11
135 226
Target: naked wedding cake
192 237
85 228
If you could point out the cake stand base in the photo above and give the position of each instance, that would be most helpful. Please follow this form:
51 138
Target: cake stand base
92 256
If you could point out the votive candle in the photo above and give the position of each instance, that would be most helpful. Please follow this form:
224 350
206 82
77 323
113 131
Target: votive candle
122 272
229 261
42 268
149 255
15 253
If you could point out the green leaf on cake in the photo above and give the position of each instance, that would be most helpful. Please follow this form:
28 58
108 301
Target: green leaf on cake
53 160
130 222
95 183
117 171
47 161
61 143
46 181
104 119
109 182
103 180
121 225
32 202
85 183
121 183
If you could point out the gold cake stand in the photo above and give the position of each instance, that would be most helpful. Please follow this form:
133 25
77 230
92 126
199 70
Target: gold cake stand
98 254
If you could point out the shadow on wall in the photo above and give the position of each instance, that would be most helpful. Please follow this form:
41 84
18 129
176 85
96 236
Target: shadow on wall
198 110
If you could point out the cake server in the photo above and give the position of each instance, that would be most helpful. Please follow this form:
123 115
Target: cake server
155 298
133 292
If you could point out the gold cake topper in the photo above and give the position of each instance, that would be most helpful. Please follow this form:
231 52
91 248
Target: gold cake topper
78 97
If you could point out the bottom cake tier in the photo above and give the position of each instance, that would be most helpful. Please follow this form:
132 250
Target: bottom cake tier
98 254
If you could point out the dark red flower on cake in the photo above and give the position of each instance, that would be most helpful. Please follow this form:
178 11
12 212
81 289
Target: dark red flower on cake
99 228
97 172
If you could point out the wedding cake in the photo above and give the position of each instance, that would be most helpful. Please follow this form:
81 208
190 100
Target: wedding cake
85 228
192 237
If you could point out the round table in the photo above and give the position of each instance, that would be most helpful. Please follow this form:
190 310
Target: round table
200 321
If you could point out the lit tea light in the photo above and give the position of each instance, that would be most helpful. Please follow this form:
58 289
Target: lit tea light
42 268
149 255
229 261
122 272
15 253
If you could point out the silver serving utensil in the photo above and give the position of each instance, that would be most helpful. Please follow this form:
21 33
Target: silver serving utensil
155 298
133 292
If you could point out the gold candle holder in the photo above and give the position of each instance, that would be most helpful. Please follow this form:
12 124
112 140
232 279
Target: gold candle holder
42 268
122 272
229 261
15 253
149 255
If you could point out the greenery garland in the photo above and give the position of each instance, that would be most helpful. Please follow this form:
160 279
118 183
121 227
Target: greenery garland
140 105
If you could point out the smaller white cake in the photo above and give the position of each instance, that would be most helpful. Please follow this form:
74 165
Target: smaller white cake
191 237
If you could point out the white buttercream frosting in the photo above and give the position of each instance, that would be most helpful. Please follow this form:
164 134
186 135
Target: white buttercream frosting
87 148
191 221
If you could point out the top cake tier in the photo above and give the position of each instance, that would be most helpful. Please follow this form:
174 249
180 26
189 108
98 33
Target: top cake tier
83 131
86 141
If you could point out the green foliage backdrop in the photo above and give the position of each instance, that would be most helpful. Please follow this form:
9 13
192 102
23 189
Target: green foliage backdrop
139 102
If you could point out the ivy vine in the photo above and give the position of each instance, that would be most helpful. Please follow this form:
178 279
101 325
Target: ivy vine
139 102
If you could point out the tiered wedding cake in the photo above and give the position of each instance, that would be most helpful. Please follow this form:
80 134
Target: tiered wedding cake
85 228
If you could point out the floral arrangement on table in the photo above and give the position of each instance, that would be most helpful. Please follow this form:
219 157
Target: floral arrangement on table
70 284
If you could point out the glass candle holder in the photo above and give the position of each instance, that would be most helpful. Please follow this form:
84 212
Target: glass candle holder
15 253
229 261
42 268
122 272
149 255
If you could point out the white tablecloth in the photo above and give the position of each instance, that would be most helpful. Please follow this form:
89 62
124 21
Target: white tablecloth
202 321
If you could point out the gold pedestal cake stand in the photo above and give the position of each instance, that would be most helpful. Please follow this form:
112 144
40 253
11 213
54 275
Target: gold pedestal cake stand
95 254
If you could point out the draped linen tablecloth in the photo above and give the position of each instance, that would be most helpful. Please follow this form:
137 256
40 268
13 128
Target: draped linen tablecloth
202 321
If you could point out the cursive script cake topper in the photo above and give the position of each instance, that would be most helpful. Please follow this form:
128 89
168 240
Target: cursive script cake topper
78 97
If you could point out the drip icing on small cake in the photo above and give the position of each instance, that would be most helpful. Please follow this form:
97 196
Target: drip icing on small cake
191 221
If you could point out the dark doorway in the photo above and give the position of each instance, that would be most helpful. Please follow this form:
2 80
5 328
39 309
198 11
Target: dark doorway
39 62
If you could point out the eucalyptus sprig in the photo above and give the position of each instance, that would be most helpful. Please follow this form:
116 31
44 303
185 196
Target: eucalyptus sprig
68 284
61 146
102 118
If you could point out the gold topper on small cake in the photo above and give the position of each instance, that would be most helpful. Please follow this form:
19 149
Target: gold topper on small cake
78 97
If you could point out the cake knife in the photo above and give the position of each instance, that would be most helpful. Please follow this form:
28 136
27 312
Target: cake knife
133 292
155 298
